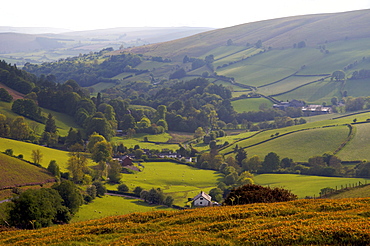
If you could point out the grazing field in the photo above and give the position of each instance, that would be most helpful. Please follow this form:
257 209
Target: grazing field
15 172
304 185
358 147
113 205
315 93
138 139
25 149
357 88
302 145
287 84
302 222
250 104
178 180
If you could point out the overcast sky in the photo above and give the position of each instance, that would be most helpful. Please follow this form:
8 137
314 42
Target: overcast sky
88 15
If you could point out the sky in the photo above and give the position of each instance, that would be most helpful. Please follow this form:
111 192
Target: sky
88 15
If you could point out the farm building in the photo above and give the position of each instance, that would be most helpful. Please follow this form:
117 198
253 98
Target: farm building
202 200
126 161
315 110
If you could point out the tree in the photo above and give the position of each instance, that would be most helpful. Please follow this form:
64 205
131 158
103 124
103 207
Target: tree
19 129
5 96
258 44
137 191
114 171
50 124
101 152
241 154
93 139
128 122
251 193
253 164
36 156
70 194
338 75
229 42
4 126
37 208
199 132
53 168
77 165
100 188
122 188
271 162
216 194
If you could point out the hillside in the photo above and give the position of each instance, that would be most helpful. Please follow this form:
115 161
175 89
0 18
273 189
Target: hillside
14 172
302 222
277 33
37 45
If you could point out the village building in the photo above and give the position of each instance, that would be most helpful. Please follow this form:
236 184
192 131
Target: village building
202 200
126 161
310 110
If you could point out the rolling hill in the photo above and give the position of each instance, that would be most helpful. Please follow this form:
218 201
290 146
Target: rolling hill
277 33
15 172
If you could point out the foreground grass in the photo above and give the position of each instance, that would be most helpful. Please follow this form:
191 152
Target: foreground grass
113 205
302 222
304 185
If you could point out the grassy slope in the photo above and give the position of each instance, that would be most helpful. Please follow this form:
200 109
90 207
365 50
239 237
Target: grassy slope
358 192
178 180
16 172
26 149
302 145
250 104
277 33
304 185
306 222
358 147
116 206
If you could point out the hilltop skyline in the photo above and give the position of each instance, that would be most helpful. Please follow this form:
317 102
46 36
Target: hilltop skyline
87 15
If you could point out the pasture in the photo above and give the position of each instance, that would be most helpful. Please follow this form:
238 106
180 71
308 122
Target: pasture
49 154
250 104
304 144
112 206
358 147
178 180
304 185
138 139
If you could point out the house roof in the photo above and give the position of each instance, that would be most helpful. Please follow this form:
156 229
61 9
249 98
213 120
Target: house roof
204 195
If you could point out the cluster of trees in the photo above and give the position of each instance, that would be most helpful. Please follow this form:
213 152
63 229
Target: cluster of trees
156 196
325 165
361 74
46 206
87 73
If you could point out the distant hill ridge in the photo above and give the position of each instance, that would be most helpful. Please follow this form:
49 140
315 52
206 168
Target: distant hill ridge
276 33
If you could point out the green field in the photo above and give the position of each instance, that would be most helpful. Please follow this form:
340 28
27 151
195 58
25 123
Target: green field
250 104
304 185
25 149
287 84
358 147
358 192
302 145
316 93
178 180
138 139
111 206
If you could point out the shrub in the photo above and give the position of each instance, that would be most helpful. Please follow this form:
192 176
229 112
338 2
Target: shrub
122 188
251 193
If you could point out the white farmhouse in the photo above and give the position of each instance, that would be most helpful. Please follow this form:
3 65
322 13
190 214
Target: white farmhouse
202 200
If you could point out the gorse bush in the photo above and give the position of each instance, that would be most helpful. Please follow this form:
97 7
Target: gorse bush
251 193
